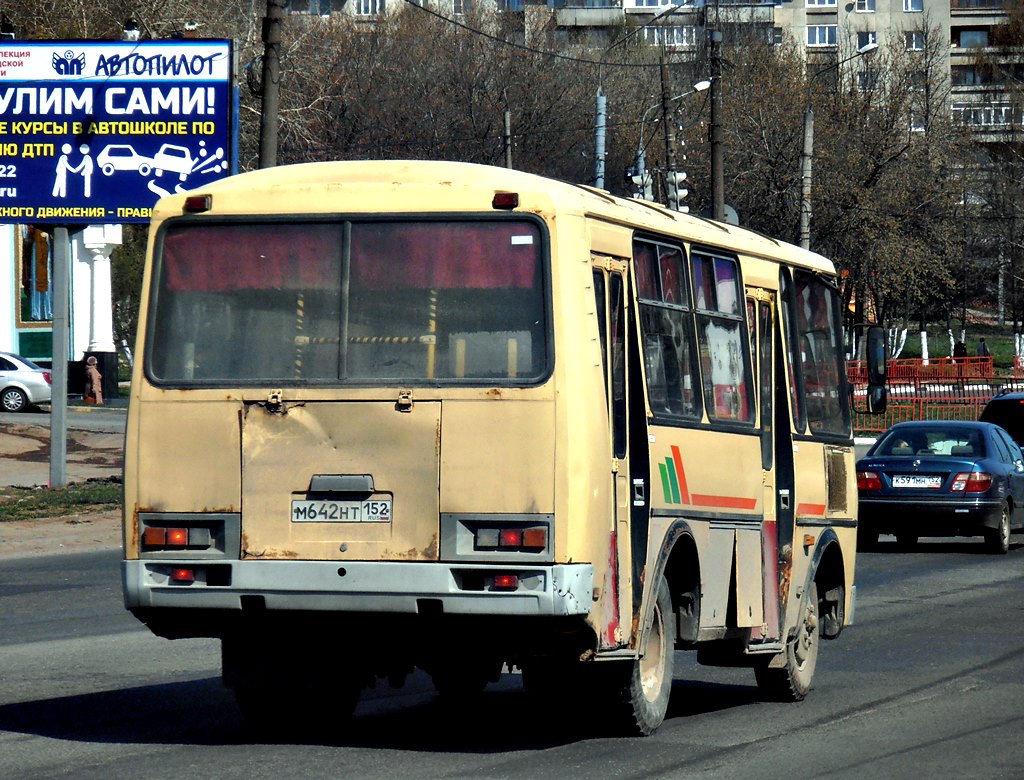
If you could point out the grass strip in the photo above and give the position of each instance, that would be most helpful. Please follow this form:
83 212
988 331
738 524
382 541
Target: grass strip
30 503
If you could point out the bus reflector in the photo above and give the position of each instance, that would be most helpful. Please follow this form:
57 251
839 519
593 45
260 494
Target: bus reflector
183 575
506 581
196 204
177 537
505 200
154 537
535 537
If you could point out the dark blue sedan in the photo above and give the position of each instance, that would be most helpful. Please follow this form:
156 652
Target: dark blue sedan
941 479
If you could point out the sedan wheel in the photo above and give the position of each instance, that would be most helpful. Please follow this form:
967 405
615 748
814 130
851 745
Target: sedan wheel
13 400
999 539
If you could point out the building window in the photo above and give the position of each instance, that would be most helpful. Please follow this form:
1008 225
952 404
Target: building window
461 7
866 37
777 36
967 39
970 75
865 6
671 35
369 7
867 80
911 6
821 3
983 115
821 35
914 40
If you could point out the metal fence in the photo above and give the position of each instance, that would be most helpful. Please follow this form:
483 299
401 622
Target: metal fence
934 390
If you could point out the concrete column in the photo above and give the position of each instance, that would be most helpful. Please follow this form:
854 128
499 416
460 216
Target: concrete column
99 241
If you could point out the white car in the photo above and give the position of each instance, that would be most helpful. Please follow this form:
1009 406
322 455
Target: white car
176 159
22 383
122 157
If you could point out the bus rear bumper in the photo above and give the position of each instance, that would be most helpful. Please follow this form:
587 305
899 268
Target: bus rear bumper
358 586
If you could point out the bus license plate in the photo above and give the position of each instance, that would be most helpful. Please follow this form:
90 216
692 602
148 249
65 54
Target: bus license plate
915 481
373 510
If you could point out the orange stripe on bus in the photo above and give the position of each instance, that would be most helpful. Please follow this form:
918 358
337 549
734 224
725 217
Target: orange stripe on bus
810 509
684 493
730 502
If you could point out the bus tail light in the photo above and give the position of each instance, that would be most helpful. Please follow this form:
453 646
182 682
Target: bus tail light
533 539
186 576
505 200
971 482
506 581
197 204
868 480
177 537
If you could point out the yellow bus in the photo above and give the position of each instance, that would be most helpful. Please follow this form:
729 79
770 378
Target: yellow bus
399 415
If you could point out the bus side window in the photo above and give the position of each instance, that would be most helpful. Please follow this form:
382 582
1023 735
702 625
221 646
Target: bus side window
722 342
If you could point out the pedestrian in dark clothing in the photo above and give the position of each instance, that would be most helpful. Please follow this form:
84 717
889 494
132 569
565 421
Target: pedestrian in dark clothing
959 351
982 350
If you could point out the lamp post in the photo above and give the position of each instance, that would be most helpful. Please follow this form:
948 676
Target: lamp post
641 162
807 155
601 104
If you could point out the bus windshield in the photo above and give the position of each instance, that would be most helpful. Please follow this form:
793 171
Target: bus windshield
423 302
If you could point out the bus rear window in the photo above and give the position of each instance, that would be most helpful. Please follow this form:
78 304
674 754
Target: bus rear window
361 302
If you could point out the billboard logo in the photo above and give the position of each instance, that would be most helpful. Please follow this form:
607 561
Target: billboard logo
69 64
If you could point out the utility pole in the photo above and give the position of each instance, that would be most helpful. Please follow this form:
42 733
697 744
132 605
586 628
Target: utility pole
508 138
599 134
805 178
270 86
717 172
670 135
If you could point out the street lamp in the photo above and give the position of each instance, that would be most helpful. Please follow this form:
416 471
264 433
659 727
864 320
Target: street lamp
808 147
641 163
601 106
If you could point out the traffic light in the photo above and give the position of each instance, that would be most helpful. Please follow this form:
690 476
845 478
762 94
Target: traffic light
642 186
675 192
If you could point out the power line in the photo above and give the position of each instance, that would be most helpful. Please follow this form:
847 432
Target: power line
523 47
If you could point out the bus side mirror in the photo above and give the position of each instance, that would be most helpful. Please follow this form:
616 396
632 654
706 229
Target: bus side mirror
875 395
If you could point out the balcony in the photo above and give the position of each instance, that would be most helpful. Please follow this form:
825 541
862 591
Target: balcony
987 6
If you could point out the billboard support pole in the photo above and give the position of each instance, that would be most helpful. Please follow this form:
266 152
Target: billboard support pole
59 391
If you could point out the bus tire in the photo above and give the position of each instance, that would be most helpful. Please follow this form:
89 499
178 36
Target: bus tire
793 680
641 688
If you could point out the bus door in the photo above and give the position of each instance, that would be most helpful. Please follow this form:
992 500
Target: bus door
776 449
626 411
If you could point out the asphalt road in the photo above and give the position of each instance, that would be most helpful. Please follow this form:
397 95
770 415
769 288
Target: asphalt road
929 683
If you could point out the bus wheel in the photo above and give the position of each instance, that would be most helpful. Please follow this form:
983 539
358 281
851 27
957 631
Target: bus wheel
792 681
641 688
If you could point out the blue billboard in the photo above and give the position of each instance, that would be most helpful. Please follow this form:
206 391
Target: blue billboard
97 131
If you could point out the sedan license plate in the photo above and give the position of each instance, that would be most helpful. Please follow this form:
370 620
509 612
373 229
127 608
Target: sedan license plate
916 481
372 510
